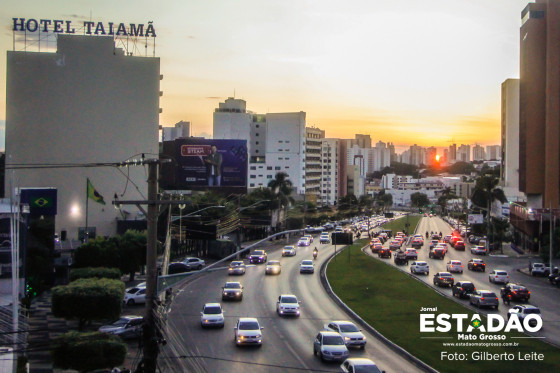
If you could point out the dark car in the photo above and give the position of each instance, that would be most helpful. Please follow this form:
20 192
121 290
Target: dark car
476 265
460 245
463 289
258 256
517 292
232 290
177 267
384 253
443 279
433 243
554 279
401 258
437 253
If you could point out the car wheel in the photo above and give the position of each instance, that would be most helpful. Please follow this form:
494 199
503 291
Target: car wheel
363 347
130 302
314 352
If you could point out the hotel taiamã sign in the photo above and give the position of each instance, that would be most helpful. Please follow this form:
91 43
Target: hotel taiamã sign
89 27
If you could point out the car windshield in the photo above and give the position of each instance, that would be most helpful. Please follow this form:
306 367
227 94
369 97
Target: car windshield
212 310
333 340
132 290
532 310
307 263
273 263
288 248
348 328
248 325
258 252
501 273
120 322
490 295
233 285
445 274
289 300
236 264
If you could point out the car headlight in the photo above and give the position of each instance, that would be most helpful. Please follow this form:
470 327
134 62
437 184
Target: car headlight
259 335
326 352
237 292
225 293
347 339
364 337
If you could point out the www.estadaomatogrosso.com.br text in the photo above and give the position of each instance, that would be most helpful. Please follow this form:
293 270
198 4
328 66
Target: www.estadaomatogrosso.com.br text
480 344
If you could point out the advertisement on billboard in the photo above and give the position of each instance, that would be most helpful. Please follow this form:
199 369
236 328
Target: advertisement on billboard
475 219
206 164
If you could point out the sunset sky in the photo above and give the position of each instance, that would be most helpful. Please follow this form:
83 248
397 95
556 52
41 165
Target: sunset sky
404 71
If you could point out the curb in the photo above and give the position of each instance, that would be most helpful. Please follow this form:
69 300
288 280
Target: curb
396 348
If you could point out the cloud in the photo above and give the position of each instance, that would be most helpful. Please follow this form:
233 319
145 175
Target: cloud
214 98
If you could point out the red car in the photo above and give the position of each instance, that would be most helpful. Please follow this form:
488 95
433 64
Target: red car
460 245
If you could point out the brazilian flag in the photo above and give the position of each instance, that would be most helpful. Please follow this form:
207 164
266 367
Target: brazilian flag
93 194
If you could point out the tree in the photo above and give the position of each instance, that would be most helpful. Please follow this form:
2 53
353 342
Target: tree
384 200
282 189
485 193
88 299
461 168
445 196
132 246
86 352
419 199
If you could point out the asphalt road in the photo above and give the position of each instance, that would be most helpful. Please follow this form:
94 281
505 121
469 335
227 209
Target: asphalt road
287 342
543 295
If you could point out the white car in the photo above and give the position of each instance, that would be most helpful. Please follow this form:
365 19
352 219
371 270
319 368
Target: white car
289 251
304 241
498 275
353 337
194 263
273 267
248 331
420 267
125 327
478 250
360 365
330 346
287 304
135 295
212 315
307 266
310 237
455 266
523 311
324 238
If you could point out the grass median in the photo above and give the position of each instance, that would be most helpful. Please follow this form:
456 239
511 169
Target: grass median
390 301
399 225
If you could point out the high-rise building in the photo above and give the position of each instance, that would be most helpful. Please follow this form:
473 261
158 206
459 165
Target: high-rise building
445 157
478 153
275 141
539 108
392 153
464 153
334 182
493 153
417 155
86 103
181 129
452 153
363 141
509 172
431 154
313 166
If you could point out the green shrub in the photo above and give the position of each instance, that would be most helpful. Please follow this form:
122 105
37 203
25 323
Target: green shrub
88 299
90 272
87 351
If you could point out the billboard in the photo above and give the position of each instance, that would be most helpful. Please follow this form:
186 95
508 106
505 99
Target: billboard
201 164
475 219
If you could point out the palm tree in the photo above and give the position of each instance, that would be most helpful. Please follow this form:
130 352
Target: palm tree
282 189
485 193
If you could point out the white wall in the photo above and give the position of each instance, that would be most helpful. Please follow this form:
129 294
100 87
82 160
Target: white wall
87 103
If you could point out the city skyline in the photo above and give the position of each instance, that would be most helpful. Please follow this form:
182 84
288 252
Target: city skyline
402 72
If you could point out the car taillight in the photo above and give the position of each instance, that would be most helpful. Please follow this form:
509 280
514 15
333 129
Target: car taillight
528 292
514 292
461 266
496 298
461 289
483 264
482 298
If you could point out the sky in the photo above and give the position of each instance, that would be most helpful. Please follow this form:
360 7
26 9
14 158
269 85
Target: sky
403 71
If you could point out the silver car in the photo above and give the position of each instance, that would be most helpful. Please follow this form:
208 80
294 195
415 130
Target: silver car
248 331
289 251
287 304
353 337
484 298
125 327
330 346
194 263
236 268
306 267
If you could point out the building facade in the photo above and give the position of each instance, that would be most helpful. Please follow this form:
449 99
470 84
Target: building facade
94 104
509 171
313 166
276 141
478 153
181 129
493 153
464 153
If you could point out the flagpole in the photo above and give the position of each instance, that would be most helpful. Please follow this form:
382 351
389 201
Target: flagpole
87 200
